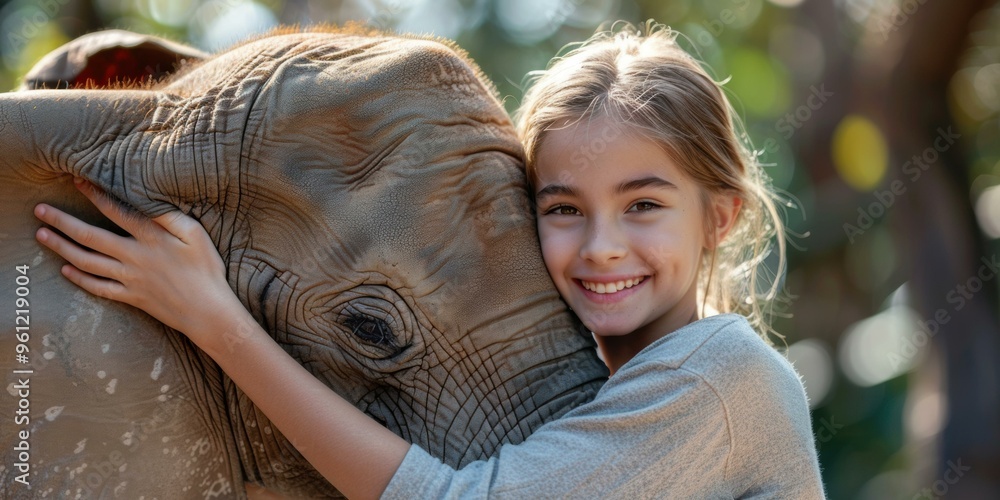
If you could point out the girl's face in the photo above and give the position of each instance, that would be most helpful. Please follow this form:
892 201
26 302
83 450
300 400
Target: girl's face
622 229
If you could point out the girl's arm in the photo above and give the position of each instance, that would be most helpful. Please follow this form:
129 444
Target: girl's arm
170 269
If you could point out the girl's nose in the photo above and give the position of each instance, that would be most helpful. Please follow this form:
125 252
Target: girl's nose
604 242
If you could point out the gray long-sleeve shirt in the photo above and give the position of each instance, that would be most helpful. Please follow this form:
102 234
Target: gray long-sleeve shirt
707 411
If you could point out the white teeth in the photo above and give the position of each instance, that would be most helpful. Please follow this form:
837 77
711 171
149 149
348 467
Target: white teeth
611 287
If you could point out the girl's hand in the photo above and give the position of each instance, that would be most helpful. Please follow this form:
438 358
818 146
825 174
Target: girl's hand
169 267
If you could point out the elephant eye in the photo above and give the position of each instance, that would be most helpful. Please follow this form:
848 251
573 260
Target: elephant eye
370 329
370 323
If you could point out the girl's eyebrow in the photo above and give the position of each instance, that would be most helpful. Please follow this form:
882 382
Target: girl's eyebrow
554 189
650 181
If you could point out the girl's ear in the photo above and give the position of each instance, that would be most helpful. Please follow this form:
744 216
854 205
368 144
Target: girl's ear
724 208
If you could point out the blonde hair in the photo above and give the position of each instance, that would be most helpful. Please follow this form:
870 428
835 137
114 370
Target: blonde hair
643 79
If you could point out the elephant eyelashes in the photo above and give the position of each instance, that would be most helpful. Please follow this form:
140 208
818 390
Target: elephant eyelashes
369 329
370 320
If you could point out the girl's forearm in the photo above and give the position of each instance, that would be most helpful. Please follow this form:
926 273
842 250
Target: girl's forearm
352 451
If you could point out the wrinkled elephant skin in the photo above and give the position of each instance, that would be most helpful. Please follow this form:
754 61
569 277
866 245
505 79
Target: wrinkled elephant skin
367 196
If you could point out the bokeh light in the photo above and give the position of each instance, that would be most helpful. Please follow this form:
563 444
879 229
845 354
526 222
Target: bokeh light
813 362
545 18
926 416
881 347
988 211
760 82
860 152
443 18
220 23
174 13
965 98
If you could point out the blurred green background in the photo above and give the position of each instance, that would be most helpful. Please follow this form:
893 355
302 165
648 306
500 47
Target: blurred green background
879 118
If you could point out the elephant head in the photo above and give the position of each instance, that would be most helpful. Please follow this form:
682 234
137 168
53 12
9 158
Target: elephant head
367 195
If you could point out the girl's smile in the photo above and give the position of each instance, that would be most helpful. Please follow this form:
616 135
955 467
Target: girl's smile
607 290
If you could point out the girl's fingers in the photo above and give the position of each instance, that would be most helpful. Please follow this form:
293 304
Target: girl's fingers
82 233
183 227
87 261
176 223
108 289
118 214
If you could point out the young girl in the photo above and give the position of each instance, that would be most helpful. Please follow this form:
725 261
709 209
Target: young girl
650 210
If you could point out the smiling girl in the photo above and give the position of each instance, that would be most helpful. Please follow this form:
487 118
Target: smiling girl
651 213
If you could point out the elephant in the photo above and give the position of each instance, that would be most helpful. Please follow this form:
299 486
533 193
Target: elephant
367 195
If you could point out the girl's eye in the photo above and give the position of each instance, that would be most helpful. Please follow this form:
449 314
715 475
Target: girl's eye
643 206
562 210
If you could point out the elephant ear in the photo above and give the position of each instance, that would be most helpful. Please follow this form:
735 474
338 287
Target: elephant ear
107 58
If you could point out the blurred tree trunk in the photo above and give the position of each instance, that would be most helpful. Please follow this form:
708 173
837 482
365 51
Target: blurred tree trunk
941 239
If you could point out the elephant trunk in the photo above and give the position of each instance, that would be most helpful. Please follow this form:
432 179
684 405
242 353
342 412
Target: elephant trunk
124 141
534 397
509 390
573 376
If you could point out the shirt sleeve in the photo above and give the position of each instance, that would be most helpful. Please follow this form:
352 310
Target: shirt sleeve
774 454
651 431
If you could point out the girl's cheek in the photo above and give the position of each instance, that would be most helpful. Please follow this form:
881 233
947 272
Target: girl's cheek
553 254
557 252
547 236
